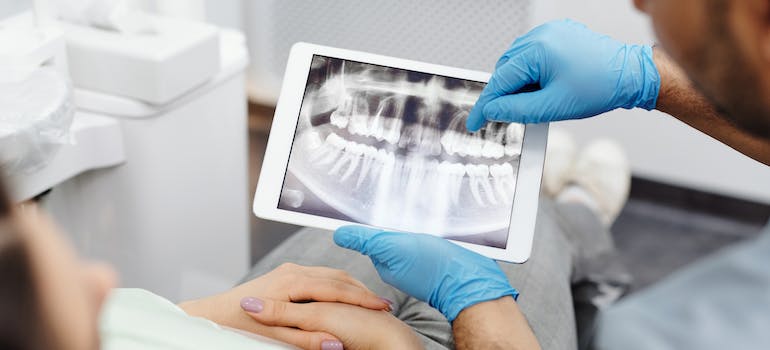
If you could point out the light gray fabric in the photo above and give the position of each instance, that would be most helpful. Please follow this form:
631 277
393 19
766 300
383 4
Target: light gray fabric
570 248
721 302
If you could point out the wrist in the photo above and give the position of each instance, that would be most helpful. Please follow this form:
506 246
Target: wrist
487 283
645 81
494 324
485 308
483 297
198 308
194 307
672 81
407 339
215 308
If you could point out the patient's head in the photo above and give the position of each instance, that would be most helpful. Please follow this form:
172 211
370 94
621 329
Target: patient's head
49 299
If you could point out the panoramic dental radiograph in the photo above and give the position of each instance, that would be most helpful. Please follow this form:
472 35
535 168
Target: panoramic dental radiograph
388 147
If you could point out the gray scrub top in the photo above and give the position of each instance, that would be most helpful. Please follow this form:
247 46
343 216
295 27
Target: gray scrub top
721 302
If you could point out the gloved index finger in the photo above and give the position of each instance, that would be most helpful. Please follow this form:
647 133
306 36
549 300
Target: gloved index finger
510 77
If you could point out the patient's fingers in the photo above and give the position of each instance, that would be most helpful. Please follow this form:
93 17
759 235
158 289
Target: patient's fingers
306 340
356 327
331 290
340 275
283 314
320 271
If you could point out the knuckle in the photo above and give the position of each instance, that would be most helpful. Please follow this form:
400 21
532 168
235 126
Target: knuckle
337 285
548 26
278 311
317 269
287 278
305 341
343 288
288 266
559 26
342 275
300 285
314 340
491 110
541 45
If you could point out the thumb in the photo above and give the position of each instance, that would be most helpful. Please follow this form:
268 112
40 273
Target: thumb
354 237
523 108
384 248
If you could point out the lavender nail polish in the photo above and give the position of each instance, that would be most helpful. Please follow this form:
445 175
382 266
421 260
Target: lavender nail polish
387 301
252 305
331 345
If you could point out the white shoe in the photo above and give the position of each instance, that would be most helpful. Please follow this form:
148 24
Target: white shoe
559 159
603 174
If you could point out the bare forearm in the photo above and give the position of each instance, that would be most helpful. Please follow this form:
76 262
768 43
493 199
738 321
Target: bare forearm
680 99
497 324
223 309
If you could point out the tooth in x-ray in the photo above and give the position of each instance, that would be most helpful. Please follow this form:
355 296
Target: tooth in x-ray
395 153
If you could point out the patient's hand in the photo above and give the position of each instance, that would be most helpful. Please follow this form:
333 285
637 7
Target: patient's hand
288 283
356 327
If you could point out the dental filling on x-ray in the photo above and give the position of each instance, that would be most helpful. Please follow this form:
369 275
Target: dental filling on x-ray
388 147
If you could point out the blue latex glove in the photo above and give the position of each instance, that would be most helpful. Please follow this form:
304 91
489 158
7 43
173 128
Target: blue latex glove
446 276
576 73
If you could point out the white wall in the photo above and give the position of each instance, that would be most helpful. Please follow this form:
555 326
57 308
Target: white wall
222 13
225 13
12 7
659 146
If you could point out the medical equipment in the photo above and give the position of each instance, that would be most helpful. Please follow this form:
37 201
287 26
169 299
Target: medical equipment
381 141
36 107
154 180
35 119
170 59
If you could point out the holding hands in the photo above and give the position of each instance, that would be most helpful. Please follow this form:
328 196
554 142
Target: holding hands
342 311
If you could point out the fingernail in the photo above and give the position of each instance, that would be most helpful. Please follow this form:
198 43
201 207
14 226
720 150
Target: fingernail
252 304
391 308
331 345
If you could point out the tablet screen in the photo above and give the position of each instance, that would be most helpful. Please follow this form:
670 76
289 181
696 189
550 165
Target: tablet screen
388 147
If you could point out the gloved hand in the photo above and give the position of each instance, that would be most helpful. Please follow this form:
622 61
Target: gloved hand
577 74
446 276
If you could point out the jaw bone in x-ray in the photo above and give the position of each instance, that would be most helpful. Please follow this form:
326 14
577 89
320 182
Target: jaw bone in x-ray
387 147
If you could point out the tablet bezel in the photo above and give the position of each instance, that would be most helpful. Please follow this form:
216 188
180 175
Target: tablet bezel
274 166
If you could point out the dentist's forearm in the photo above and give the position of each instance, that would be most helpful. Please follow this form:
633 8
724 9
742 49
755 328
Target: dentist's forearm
680 99
496 324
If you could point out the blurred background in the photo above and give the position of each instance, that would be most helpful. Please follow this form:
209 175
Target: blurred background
164 110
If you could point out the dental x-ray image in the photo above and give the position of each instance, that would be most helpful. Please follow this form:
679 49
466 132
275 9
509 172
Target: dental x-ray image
388 147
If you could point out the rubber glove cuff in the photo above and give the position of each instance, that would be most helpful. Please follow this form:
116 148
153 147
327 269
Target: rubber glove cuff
645 85
491 284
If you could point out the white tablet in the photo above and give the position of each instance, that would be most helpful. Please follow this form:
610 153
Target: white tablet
380 141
